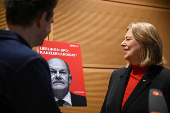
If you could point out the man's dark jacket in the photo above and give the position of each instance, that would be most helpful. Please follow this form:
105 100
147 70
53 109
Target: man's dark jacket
25 82
78 100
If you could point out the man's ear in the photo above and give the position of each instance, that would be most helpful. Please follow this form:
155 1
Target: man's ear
70 79
42 19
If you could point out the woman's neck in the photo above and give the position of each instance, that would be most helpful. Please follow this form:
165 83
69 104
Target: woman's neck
136 69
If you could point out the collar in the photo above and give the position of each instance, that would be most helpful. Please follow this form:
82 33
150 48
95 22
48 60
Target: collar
67 98
151 71
10 35
137 70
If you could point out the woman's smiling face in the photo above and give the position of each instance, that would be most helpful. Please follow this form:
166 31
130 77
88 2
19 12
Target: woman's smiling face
132 48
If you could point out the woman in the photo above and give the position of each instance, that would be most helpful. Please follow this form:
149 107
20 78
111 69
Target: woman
129 87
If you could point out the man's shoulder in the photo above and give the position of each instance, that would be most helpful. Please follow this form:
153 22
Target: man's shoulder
17 54
78 100
77 96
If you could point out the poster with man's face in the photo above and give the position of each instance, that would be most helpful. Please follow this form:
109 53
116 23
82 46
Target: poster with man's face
65 64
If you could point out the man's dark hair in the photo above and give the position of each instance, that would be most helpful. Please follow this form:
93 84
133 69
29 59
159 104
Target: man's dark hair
24 12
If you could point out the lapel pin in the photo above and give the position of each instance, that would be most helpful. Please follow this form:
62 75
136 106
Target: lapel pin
144 80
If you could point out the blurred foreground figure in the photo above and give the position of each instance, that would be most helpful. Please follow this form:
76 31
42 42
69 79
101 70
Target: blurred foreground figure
25 82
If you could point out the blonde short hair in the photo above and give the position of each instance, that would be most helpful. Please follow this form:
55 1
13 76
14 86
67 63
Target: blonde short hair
151 44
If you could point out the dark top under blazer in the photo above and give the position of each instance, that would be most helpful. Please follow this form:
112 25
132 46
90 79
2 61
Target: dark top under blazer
156 77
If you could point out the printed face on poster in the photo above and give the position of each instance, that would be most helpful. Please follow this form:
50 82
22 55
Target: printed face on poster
71 54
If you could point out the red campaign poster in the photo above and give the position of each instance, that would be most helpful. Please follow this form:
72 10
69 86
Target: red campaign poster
71 54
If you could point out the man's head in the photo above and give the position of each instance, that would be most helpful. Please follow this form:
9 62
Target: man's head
25 12
60 74
31 19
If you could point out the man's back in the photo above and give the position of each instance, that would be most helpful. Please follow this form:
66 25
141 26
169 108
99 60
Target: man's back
25 84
